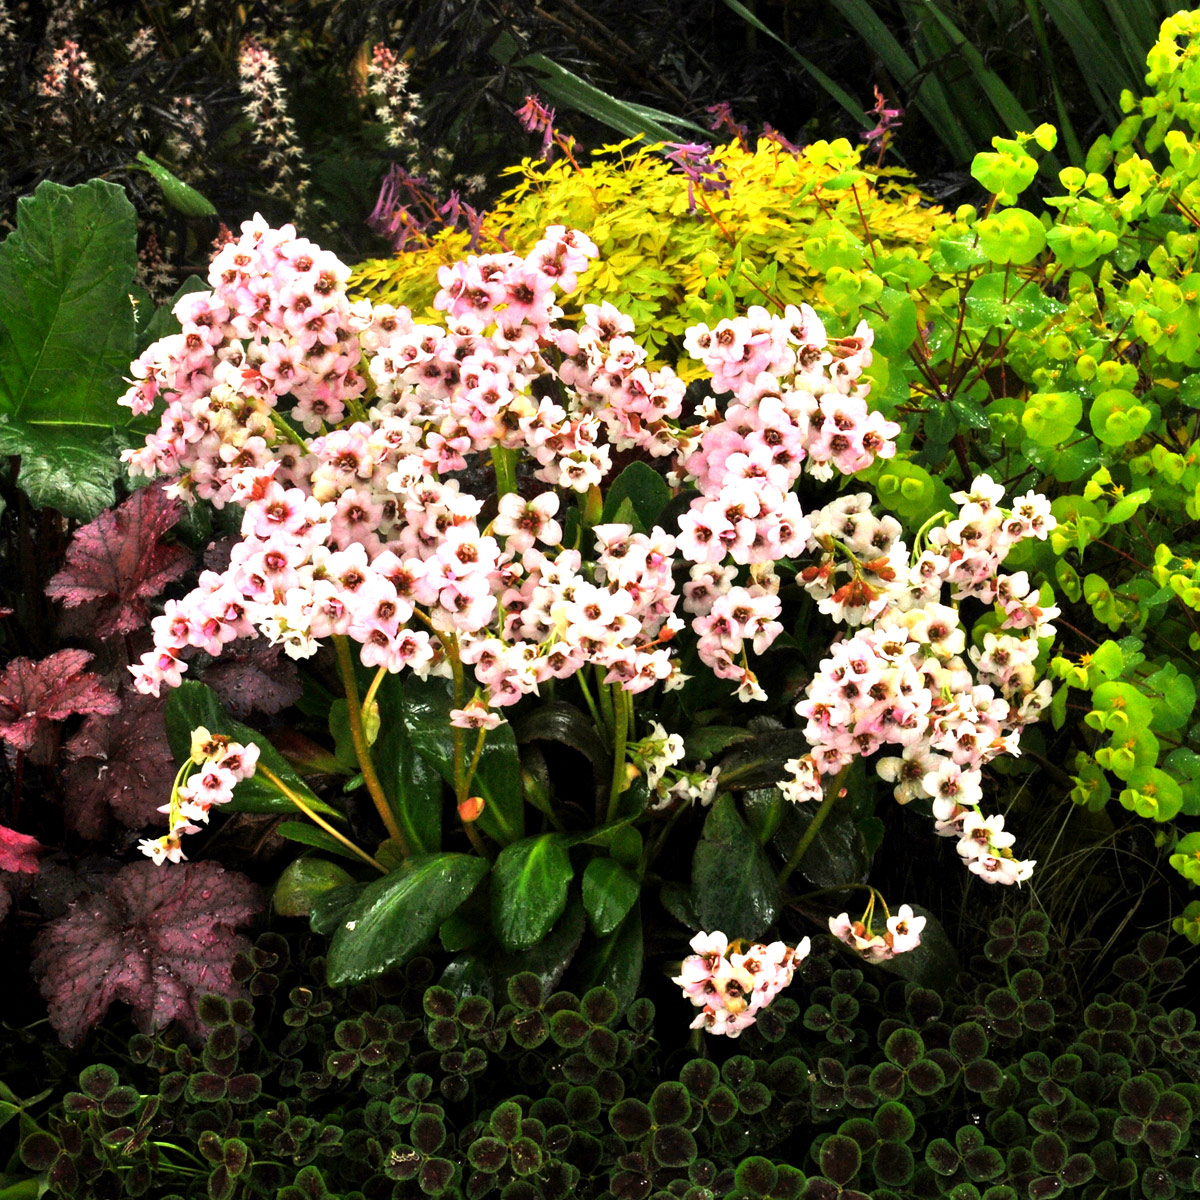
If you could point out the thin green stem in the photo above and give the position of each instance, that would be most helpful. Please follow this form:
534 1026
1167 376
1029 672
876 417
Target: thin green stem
505 463
380 675
620 700
358 735
822 815
587 695
281 423
469 778
317 819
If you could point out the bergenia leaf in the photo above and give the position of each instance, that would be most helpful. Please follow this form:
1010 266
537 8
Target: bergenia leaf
35 695
254 676
120 761
119 562
155 938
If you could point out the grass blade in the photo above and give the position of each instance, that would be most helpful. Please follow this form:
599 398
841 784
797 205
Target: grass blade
1007 107
567 89
1102 70
926 93
839 93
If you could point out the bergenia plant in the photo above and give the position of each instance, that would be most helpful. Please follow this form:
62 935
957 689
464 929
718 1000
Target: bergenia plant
435 501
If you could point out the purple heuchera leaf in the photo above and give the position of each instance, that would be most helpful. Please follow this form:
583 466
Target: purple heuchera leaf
36 695
120 561
154 938
252 676
120 761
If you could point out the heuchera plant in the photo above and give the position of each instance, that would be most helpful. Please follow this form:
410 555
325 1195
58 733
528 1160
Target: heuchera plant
351 438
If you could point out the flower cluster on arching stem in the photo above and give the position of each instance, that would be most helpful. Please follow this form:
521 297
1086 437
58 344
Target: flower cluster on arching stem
730 985
216 765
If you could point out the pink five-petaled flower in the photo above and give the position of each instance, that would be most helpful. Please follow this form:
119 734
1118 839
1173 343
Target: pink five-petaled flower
476 715
731 986
36 695
523 522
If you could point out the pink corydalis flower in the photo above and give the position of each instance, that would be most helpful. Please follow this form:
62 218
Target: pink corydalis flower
537 118
692 158
889 119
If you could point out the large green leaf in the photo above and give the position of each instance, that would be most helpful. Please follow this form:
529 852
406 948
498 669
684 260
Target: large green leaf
838 854
412 784
529 889
733 886
426 706
66 321
302 881
614 962
644 488
609 892
193 704
398 913
71 471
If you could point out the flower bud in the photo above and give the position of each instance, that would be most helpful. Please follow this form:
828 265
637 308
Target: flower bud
470 809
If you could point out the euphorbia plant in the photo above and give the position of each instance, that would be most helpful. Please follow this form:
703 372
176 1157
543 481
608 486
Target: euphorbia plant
352 438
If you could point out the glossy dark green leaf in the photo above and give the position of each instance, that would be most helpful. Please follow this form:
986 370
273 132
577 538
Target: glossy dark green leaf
412 784
398 913
66 321
733 885
644 488
838 854
704 741
330 907
426 705
192 705
529 889
161 321
559 721
315 836
614 962
549 959
302 881
609 892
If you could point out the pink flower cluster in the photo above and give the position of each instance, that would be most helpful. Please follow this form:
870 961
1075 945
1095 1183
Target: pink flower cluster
338 429
902 933
731 986
902 679
220 765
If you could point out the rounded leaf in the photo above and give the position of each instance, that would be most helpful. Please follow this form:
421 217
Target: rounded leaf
840 1159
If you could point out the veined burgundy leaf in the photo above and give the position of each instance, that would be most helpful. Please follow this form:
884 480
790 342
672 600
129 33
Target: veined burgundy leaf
253 676
18 851
19 856
120 761
35 695
155 938
119 561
